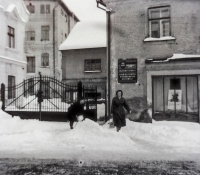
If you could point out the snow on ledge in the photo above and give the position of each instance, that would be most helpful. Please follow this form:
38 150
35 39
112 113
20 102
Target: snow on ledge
160 39
175 57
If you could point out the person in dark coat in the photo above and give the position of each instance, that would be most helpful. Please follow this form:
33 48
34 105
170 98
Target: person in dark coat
117 110
75 110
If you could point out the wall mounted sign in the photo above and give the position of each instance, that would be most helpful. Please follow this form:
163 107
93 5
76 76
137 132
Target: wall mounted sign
127 71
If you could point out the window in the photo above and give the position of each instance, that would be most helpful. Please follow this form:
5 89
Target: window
44 8
47 8
93 65
31 8
31 86
159 22
45 33
11 37
11 87
30 35
45 59
30 64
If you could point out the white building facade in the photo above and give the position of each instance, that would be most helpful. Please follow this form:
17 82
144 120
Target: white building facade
50 24
13 17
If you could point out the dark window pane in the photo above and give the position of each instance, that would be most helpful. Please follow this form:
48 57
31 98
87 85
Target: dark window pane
155 14
155 30
11 87
45 32
93 65
45 59
175 84
30 64
42 10
165 26
47 8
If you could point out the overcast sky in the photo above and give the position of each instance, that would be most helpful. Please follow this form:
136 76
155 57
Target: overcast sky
86 10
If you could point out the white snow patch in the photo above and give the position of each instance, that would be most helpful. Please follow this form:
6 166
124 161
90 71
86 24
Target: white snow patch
88 34
90 141
160 39
178 56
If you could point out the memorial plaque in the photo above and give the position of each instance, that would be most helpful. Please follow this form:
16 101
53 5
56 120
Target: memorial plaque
127 71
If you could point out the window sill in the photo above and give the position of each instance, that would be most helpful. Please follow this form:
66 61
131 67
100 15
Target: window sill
95 71
12 50
45 67
166 38
31 73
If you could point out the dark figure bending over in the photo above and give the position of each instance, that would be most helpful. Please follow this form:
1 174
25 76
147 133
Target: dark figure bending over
117 109
75 110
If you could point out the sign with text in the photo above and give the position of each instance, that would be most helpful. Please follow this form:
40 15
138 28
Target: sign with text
127 70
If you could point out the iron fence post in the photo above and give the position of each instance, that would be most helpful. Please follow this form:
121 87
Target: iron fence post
40 103
3 96
79 90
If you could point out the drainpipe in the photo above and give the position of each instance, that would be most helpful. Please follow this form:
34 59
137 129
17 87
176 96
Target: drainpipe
108 56
102 5
54 52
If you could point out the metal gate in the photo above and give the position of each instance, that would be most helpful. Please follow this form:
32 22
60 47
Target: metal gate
46 98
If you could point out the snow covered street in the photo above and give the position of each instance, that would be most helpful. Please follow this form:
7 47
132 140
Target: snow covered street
89 141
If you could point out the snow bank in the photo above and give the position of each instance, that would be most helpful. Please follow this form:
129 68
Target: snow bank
88 140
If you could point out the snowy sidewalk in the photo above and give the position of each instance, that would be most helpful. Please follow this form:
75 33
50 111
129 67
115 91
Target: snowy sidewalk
89 141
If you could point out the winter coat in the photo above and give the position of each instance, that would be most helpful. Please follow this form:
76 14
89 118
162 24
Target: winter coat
117 109
74 110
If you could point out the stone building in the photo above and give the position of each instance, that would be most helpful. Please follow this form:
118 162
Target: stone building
13 17
155 57
50 23
84 56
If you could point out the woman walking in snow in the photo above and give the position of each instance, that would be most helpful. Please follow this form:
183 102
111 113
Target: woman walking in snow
117 110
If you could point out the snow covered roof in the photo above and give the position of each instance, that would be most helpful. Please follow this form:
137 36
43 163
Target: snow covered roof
12 9
176 57
87 34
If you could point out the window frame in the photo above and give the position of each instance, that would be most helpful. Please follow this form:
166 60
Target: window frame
32 69
42 9
44 56
30 35
159 20
88 68
45 33
11 37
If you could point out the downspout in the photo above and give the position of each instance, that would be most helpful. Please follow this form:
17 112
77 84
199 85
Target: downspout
108 13
54 52
108 56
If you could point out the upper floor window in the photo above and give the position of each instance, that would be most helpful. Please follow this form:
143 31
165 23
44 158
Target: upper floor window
11 37
44 8
30 64
45 59
45 33
30 35
31 8
93 65
11 87
159 22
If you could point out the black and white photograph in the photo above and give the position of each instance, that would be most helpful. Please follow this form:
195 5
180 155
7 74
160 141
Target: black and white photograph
100 87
